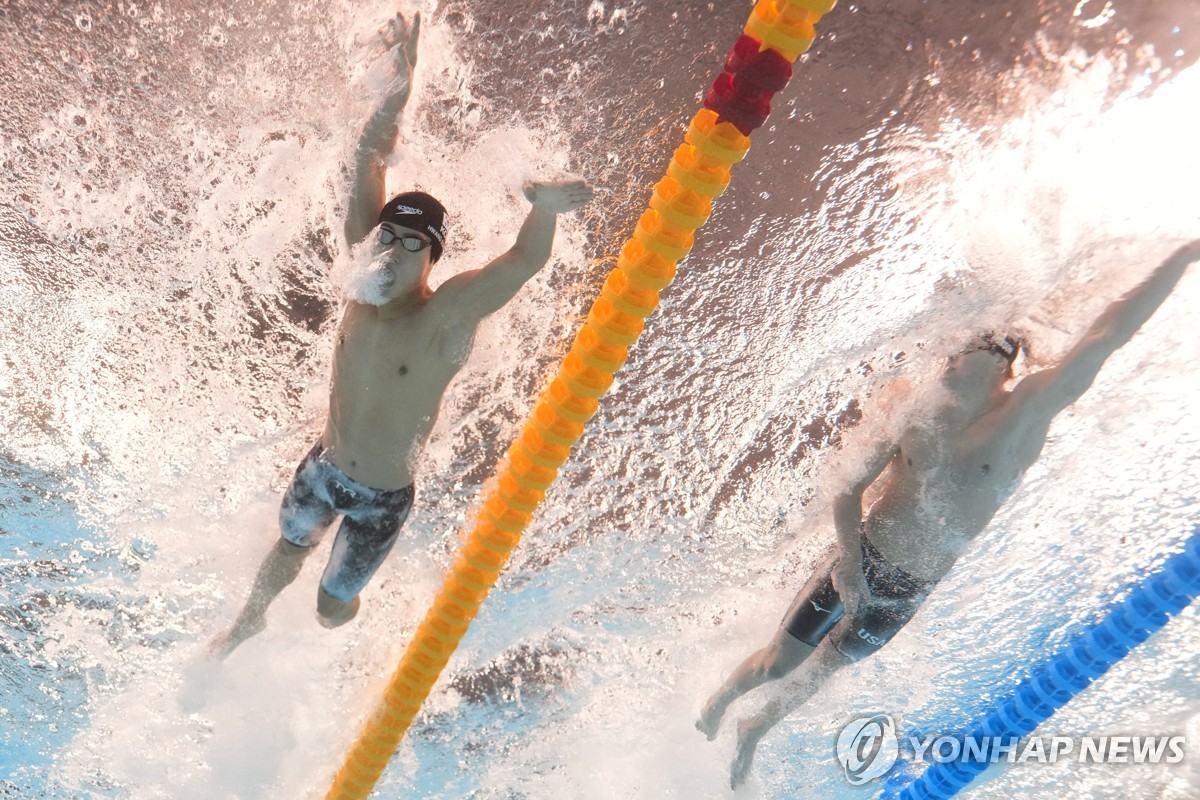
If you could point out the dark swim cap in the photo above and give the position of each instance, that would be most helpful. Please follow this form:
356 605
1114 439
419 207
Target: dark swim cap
421 212
1007 347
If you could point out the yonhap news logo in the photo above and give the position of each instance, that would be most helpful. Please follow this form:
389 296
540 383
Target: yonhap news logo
869 746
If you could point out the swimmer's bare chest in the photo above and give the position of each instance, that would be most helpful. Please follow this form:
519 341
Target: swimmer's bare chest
390 371
941 491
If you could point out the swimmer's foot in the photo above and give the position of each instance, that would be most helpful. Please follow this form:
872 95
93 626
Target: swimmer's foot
710 716
333 613
199 680
750 731
247 626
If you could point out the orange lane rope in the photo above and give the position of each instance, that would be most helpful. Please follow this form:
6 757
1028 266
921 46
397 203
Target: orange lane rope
759 65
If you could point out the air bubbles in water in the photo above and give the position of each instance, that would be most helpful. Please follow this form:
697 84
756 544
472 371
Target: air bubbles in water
1091 16
365 276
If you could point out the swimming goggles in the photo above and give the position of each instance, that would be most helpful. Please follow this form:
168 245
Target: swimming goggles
1006 347
409 241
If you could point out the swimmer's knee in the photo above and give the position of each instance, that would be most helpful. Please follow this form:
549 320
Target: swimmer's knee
773 670
298 537
784 654
332 612
293 550
340 619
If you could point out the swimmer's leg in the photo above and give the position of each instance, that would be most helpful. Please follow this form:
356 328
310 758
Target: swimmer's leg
813 613
782 655
853 638
364 540
357 554
303 517
789 695
331 612
280 568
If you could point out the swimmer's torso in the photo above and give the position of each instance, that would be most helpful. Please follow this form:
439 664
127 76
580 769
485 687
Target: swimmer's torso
943 487
391 366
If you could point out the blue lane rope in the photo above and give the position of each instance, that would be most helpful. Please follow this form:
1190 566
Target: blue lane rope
1090 654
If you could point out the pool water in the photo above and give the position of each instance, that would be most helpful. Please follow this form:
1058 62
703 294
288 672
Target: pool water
167 241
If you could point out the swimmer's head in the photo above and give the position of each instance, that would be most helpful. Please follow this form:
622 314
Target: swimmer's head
980 369
1006 346
419 212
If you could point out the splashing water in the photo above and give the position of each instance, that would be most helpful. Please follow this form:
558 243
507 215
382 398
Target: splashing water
364 276
170 264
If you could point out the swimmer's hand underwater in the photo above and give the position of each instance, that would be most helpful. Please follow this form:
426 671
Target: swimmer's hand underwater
559 197
849 581
400 38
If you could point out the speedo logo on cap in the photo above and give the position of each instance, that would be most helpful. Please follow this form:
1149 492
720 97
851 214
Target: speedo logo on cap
408 210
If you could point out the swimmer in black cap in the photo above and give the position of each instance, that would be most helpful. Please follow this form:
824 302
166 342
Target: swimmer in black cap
392 362
939 487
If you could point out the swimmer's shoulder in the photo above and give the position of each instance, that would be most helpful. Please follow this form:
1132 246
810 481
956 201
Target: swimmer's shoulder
1014 430
452 306
1030 406
447 298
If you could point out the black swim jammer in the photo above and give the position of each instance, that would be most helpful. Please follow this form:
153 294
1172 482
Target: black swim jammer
371 521
817 610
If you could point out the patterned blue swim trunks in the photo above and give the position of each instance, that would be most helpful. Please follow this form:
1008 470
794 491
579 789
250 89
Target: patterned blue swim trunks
371 520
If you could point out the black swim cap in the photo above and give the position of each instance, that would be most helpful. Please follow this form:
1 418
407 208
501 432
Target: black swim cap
1007 347
421 212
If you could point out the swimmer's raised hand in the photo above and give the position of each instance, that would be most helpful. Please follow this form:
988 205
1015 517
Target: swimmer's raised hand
399 36
559 197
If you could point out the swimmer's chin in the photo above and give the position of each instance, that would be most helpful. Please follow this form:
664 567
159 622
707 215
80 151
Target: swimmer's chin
375 300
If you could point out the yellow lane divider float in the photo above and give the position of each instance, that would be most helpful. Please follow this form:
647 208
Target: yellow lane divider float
759 65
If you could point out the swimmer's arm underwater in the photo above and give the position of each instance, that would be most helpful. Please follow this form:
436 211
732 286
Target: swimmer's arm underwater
480 292
378 138
847 522
1052 390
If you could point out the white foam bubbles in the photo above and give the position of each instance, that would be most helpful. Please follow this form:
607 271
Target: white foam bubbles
364 275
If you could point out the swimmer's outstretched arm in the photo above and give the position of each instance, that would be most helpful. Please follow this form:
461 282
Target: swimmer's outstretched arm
1052 390
480 292
378 138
